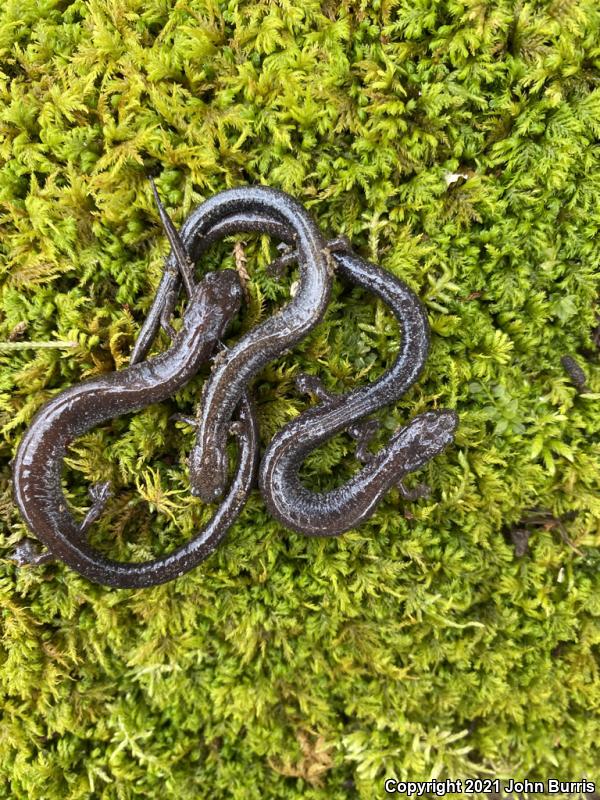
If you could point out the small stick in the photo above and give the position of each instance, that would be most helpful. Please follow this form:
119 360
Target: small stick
577 375
186 268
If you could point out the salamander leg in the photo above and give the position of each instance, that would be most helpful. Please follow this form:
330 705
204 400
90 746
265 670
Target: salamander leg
29 553
361 432
421 490
310 384
236 428
192 421
287 257
99 494
167 315
220 355
339 244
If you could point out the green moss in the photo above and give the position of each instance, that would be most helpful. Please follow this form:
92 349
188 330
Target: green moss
456 144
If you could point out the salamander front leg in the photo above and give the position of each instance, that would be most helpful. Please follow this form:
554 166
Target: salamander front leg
339 244
421 490
362 432
29 553
166 315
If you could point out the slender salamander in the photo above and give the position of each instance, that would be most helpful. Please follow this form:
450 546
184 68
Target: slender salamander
250 208
410 448
39 459
38 464
338 510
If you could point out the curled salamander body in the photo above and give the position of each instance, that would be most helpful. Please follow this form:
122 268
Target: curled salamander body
38 463
336 511
410 448
211 304
264 210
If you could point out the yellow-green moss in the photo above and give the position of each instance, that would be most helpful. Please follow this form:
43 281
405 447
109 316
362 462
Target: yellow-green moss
456 143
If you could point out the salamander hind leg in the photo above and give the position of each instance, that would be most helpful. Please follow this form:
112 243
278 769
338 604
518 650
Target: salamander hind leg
310 384
191 421
29 553
287 256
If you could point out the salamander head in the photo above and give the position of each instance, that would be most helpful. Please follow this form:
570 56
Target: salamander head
424 437
208 475
215 301
222 289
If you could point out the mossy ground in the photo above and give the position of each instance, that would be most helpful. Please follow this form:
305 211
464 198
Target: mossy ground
456 144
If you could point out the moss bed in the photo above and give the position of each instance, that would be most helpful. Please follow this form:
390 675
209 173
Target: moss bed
456 144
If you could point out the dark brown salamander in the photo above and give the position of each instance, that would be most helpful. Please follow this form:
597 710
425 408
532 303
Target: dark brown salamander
38 463
336 511
39 459
410 448
250 208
